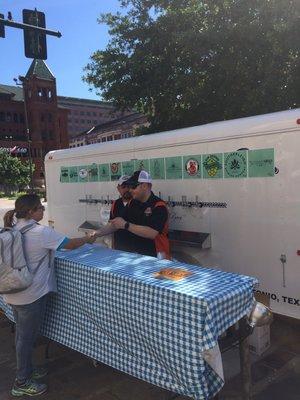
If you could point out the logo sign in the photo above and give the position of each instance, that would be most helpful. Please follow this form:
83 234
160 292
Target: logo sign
213 166
115 171
15 150
192 167
148 212
235 164
114 168
83 173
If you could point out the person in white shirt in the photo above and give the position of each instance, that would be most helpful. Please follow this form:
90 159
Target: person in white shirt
29 305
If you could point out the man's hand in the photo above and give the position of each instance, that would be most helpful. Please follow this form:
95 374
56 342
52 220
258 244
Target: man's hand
118 223
91 237
104 230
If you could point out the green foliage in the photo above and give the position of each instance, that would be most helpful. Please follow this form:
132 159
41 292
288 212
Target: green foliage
189 62
12 196
13 172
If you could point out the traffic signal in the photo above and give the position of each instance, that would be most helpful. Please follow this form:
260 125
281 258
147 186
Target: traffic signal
2 27
34 42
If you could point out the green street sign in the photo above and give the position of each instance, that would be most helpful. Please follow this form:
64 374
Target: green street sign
2 27
35 42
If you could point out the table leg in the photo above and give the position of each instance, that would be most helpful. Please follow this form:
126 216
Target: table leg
245 368
47 349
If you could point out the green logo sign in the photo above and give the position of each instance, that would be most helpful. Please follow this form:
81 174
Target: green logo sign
235 164
212 165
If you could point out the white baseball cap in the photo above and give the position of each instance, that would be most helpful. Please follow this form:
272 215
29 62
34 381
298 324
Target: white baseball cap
123 179
139 177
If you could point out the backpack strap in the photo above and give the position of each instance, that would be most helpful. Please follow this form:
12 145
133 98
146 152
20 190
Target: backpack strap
25 229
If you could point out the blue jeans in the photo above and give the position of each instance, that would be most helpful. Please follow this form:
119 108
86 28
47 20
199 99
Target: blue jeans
28 318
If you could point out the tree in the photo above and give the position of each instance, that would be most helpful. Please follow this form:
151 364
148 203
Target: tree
13 172
189 62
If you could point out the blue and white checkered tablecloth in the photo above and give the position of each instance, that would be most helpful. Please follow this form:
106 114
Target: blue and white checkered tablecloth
110 307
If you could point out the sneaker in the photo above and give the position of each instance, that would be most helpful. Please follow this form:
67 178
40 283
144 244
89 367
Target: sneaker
29 388
38 373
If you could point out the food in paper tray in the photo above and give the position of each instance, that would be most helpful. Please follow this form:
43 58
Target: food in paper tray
175 274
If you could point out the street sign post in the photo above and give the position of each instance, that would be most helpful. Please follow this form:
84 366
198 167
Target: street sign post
34 41
35 32
2 27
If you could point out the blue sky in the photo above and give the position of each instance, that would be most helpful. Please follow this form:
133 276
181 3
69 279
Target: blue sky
81 36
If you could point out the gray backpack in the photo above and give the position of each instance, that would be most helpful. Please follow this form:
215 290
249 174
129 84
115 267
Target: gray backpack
15 275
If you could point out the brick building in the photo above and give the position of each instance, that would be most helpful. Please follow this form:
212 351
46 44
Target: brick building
119 128
48 123
85 113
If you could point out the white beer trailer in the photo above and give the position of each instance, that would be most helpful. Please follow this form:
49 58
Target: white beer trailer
233 191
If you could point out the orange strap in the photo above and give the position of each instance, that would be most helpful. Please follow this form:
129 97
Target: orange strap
162 243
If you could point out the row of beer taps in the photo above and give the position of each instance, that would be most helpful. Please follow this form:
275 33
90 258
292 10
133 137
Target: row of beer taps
184 202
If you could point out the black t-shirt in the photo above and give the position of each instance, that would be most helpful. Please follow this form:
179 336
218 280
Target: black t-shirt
145 214
122 238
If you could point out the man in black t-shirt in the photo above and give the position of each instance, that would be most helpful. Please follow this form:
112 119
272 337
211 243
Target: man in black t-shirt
145 219
120 237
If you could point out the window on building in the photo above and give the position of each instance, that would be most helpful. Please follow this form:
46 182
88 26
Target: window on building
2 116
89 121
82 121
44 135
21 118
29 93
40 93
117 137
95 122
81 112
94 114
49 94
44 93
88 113
103 139
109 138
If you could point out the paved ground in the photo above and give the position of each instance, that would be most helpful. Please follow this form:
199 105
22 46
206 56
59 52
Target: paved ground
72 376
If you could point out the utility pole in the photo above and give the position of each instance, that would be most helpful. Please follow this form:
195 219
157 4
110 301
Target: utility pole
21 81
35 45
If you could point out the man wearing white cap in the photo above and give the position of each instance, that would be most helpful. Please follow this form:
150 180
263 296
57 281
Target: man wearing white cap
145 219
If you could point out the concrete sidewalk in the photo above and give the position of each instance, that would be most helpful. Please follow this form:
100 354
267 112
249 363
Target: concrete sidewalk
72 376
